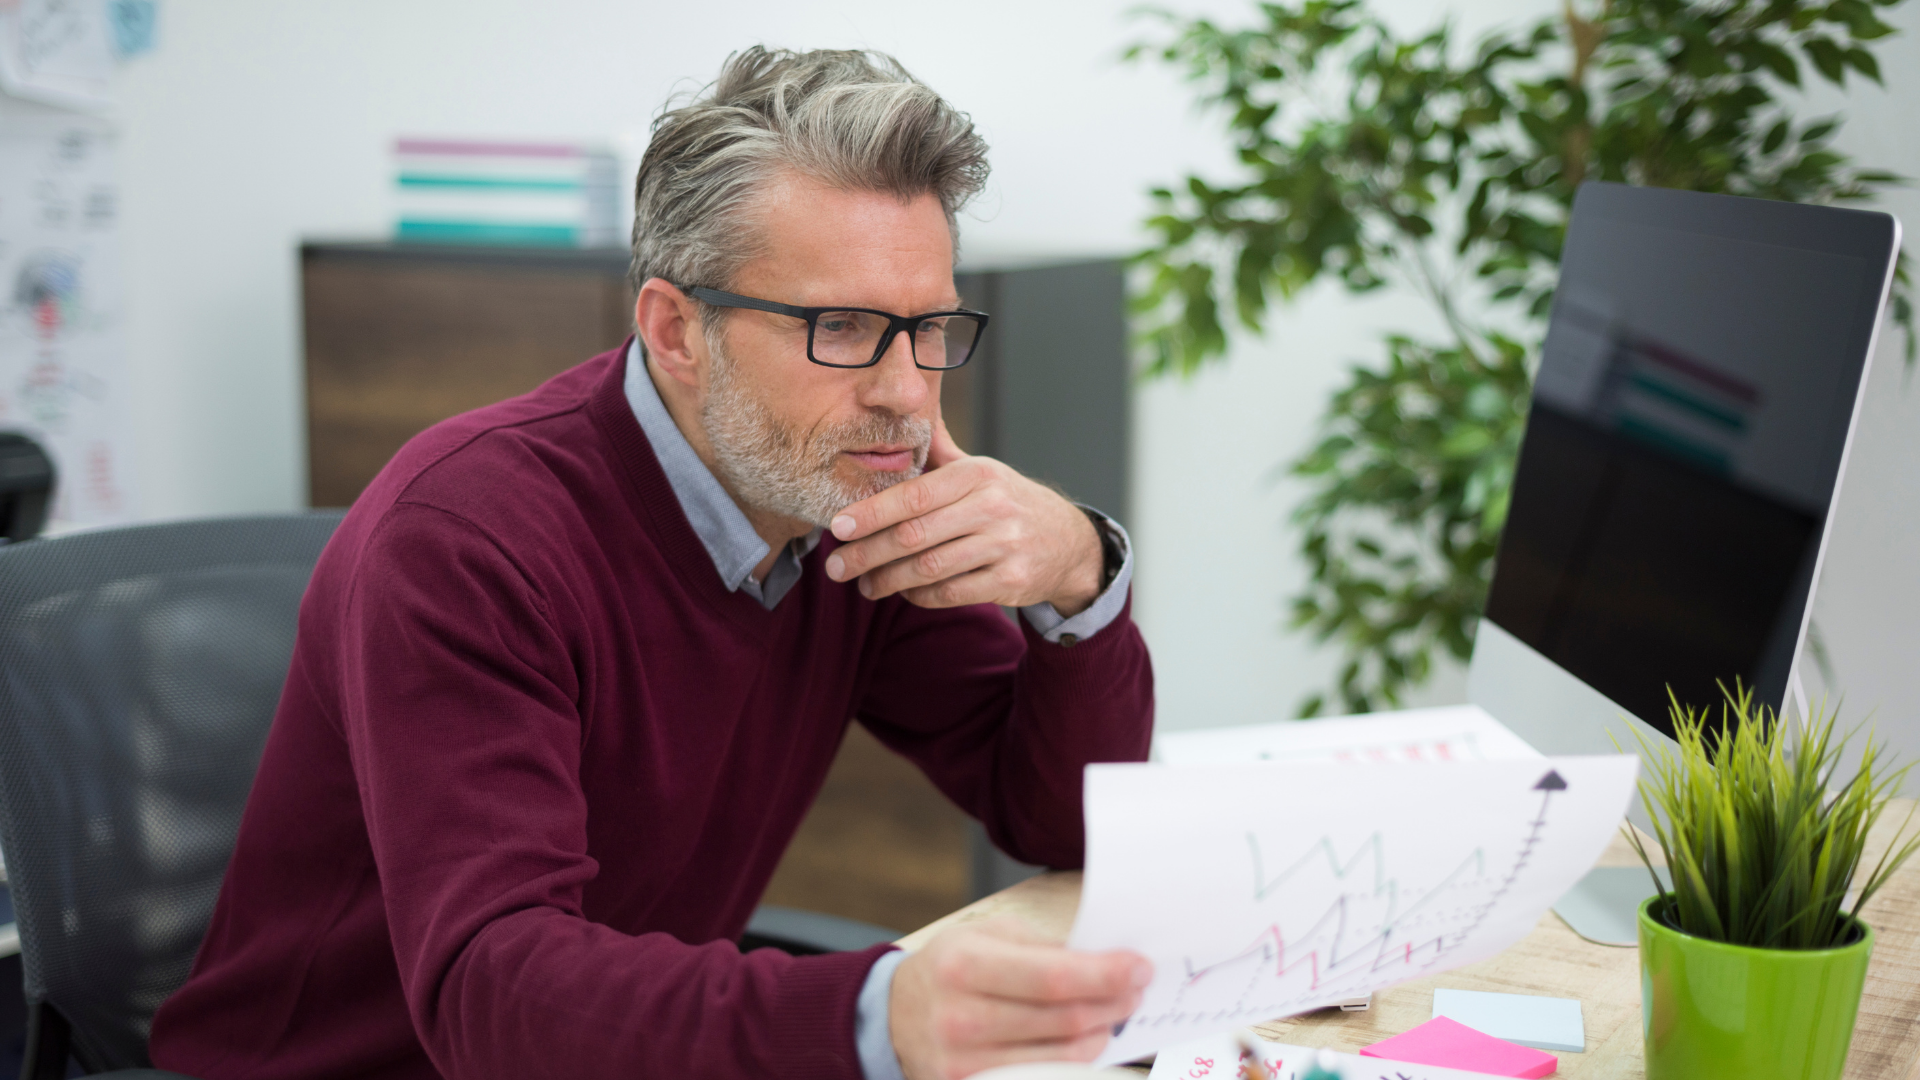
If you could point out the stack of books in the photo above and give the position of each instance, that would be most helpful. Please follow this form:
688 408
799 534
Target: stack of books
455 191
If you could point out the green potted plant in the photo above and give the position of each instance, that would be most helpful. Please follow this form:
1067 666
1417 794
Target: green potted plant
1752 963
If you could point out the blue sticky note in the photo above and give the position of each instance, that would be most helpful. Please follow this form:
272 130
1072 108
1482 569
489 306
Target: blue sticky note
132 24
1543 1023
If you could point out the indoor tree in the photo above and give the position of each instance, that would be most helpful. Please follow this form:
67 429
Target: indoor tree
1376 159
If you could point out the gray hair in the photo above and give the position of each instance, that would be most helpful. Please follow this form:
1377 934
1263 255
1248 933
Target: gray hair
852 119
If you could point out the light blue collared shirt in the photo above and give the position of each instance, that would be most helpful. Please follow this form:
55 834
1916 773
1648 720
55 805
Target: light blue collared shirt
716 519
736 549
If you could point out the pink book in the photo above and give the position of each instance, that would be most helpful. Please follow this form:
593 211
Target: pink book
1453 1045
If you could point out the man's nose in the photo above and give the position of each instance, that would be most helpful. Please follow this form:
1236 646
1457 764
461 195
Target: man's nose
895 384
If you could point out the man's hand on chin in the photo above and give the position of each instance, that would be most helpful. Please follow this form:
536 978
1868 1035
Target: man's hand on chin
992 993
970 530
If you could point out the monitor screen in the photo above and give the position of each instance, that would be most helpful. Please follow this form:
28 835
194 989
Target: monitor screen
1694 400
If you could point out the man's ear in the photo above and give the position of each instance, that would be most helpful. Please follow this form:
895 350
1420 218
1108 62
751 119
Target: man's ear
669 324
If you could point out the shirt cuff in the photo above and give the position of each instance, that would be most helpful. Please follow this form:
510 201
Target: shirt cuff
1059 629
872 1037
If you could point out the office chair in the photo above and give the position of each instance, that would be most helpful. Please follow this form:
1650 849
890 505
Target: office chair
26 487
139 670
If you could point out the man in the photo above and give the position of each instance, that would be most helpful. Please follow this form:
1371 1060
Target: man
536 760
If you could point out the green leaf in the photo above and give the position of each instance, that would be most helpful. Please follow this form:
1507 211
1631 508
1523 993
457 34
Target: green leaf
1777 60
1775 136
1827 58
1816 132
1864 63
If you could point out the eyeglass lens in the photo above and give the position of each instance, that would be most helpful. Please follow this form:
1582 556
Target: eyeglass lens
852 339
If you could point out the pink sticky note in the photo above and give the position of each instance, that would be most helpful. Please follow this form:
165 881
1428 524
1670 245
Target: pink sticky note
1453 1045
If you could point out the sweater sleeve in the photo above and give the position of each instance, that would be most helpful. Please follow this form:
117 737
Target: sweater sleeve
461 719
1004 721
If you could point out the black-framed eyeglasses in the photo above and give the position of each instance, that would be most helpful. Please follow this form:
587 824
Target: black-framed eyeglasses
845 337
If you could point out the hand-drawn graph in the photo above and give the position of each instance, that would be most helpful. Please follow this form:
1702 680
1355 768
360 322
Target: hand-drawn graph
1373 925
1310 899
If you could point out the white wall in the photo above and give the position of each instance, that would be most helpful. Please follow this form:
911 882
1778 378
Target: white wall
1868 606
257 124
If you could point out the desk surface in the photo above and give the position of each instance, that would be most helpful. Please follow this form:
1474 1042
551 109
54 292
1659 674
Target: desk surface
1555 962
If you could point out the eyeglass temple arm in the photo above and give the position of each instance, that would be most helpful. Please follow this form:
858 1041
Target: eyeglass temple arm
727 299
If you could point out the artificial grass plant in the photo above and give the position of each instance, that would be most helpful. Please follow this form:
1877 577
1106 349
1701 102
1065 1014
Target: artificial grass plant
1763 840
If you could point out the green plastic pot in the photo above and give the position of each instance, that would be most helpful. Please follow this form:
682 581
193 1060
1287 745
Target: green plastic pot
1712 1010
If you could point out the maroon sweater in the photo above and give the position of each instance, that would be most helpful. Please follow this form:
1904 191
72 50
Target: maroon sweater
534 766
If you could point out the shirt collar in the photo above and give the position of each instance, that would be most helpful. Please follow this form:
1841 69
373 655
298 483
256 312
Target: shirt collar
716 519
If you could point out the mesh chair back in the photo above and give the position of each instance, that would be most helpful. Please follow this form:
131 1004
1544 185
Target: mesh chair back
139 671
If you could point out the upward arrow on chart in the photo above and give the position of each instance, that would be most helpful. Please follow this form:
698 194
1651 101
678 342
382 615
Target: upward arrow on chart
1546 786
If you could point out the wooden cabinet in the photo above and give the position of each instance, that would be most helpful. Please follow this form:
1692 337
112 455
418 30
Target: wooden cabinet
401 336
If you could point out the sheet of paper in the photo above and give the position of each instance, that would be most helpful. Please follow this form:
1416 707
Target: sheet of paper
1220 1058
57 51
1451 733
1265 890
1544 1023
131 22
62 350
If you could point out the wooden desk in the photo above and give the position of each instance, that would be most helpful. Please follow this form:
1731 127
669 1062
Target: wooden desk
1554 961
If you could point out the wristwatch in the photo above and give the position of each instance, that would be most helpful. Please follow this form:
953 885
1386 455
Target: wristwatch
1112 555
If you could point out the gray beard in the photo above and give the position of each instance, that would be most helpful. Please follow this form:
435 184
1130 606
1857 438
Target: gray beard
776 468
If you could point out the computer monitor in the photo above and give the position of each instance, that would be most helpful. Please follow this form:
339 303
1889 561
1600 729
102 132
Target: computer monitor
1690 423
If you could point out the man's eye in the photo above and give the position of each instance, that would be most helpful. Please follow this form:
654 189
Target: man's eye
933 326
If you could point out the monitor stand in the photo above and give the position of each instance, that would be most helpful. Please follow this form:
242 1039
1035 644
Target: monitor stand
1604 907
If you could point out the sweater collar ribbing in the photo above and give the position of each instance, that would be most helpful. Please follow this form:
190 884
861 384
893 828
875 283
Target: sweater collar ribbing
657 503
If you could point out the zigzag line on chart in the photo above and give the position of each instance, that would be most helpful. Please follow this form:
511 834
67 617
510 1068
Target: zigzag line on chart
1373 844
1271 942
1267 960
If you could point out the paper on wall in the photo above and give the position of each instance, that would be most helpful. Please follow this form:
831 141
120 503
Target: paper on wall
1264 890
131 23
57 51
1220 1058
1450 733
62 351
